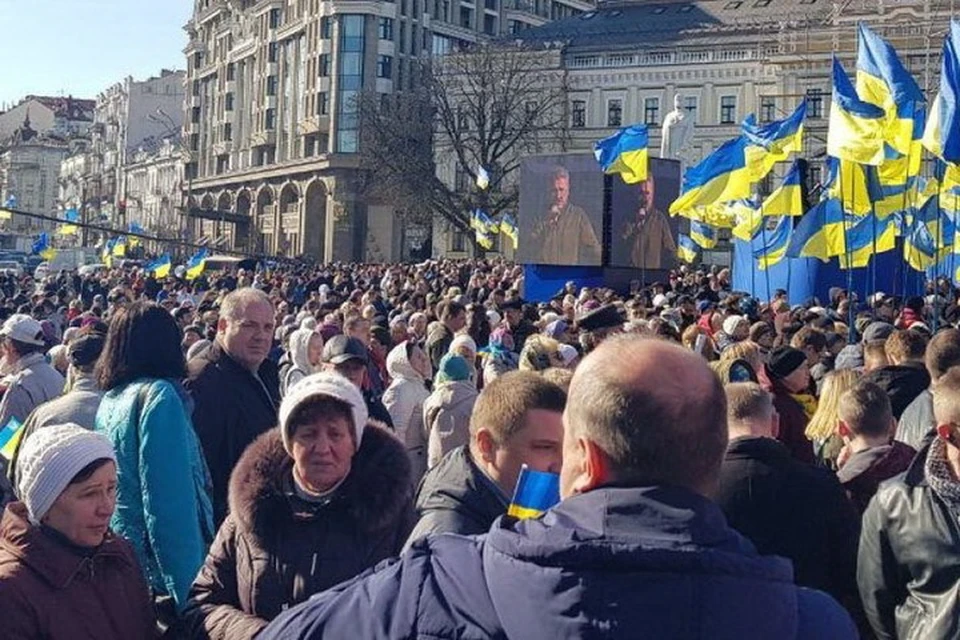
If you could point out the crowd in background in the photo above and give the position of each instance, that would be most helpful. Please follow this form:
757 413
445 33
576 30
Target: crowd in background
199 458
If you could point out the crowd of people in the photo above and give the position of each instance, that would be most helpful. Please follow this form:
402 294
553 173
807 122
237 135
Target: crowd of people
331 451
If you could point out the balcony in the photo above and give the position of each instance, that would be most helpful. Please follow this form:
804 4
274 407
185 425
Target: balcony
263 138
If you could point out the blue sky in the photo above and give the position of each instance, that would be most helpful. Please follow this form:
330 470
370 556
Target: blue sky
80 47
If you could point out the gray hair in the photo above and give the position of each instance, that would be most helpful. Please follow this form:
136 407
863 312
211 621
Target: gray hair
237 302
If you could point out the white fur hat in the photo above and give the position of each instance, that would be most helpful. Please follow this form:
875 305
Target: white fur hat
331 385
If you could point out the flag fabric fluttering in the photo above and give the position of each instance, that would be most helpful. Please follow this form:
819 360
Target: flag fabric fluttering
773 142
10 437
42 247
160 267
856 127
119 247
787 199
882 80
625 153
919 247
197 263
508 227
867 237
483 178
770 247
687 249
703 234
854 185
536 492
722 176
819 233
942 134
135 227
11 202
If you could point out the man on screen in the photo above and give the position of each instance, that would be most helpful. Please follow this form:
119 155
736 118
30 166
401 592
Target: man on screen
564 234
648 235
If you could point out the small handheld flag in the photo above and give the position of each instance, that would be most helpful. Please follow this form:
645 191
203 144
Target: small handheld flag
197 264
508 227
160 268
536 492
10 437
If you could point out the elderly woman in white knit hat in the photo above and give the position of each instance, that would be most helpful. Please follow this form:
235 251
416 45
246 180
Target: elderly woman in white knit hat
314 502
63 573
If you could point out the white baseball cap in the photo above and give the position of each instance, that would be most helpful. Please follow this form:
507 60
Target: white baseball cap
23 328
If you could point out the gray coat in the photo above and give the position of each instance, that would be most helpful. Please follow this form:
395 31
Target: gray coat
917 422
446 418
34 383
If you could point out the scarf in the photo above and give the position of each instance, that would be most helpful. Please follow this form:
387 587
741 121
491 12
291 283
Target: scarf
940 476
807 401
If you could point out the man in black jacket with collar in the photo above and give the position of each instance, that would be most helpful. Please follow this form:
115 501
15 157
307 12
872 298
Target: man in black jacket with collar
234 387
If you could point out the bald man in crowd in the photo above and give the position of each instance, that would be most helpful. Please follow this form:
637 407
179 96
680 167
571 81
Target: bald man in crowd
645 432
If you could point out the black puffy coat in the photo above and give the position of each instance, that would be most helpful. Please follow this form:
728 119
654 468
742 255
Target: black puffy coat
275 550
908 568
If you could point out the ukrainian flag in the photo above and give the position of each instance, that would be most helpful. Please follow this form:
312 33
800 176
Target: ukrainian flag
722 176
160 267
536 492
703 234
860 243
67 229
482 223
883 81
856 127
940 224
747 218
484 239
819 233
43 248
508 227
787 199
136 228
687 249
772 247
942 135
197 264
625 153
777 139
855 186
119 248
10 437
483 178
919 247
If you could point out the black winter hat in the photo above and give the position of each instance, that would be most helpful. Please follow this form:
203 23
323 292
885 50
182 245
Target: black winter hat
784 361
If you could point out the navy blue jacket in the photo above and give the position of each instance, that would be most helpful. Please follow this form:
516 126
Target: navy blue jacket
613 563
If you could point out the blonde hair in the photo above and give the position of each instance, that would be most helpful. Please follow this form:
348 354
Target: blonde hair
745 350
823 424
539 353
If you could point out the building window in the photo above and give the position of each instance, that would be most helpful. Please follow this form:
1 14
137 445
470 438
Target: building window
466 18
231 72
402 42
271 85
270 120
228 102
322 103
350 75
815 174
578 114
272 49
197 59
768 109
228 132
490 25
195 115
458 241
274 18
325 27
690 106
195 90
728 109
614 112
323 65
385 29
814 103
385 67
194 142
651 111
403 7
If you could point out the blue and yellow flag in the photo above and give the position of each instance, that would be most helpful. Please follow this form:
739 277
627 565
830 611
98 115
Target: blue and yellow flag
867 237
483 178
856 127
919 247
883 81
942 134
777 140
42 247
703 234
160 267
855 186
770 247
119 247
10 437
722 176
787 199
135 228
67 229
819 233
483 223
484 239
536 492
748 219
687 249
625 153
197 263
508 227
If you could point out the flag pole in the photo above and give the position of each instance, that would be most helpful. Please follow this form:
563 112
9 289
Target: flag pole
766 249
936 269
873 259
847 252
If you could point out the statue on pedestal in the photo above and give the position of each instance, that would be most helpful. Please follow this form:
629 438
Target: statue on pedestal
677 132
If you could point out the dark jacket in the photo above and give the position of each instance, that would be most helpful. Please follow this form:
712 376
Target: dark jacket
612 563
917 424
49 590
908 568
866 469
793 421
903 383
521 332
438 342
275 549
794 510
231 408
455 497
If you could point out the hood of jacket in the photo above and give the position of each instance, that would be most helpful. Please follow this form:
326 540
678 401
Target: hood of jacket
451 394
300 350
658 553
455 484
375 491
399 366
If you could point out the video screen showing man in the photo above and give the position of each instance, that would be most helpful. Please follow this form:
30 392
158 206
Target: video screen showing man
643 236
555 227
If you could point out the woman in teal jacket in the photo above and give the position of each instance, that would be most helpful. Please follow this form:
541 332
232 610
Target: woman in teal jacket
163 497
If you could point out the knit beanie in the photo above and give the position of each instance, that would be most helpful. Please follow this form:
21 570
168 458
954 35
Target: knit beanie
324 384
51 458
731 323
784 361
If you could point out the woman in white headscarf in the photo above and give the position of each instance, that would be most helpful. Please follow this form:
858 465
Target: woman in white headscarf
306 349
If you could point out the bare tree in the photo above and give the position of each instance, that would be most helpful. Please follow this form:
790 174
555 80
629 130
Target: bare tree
487 107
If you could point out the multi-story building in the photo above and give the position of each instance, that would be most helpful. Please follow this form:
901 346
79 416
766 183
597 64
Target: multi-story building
29 168
627 61
271 114
153 179
61 116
